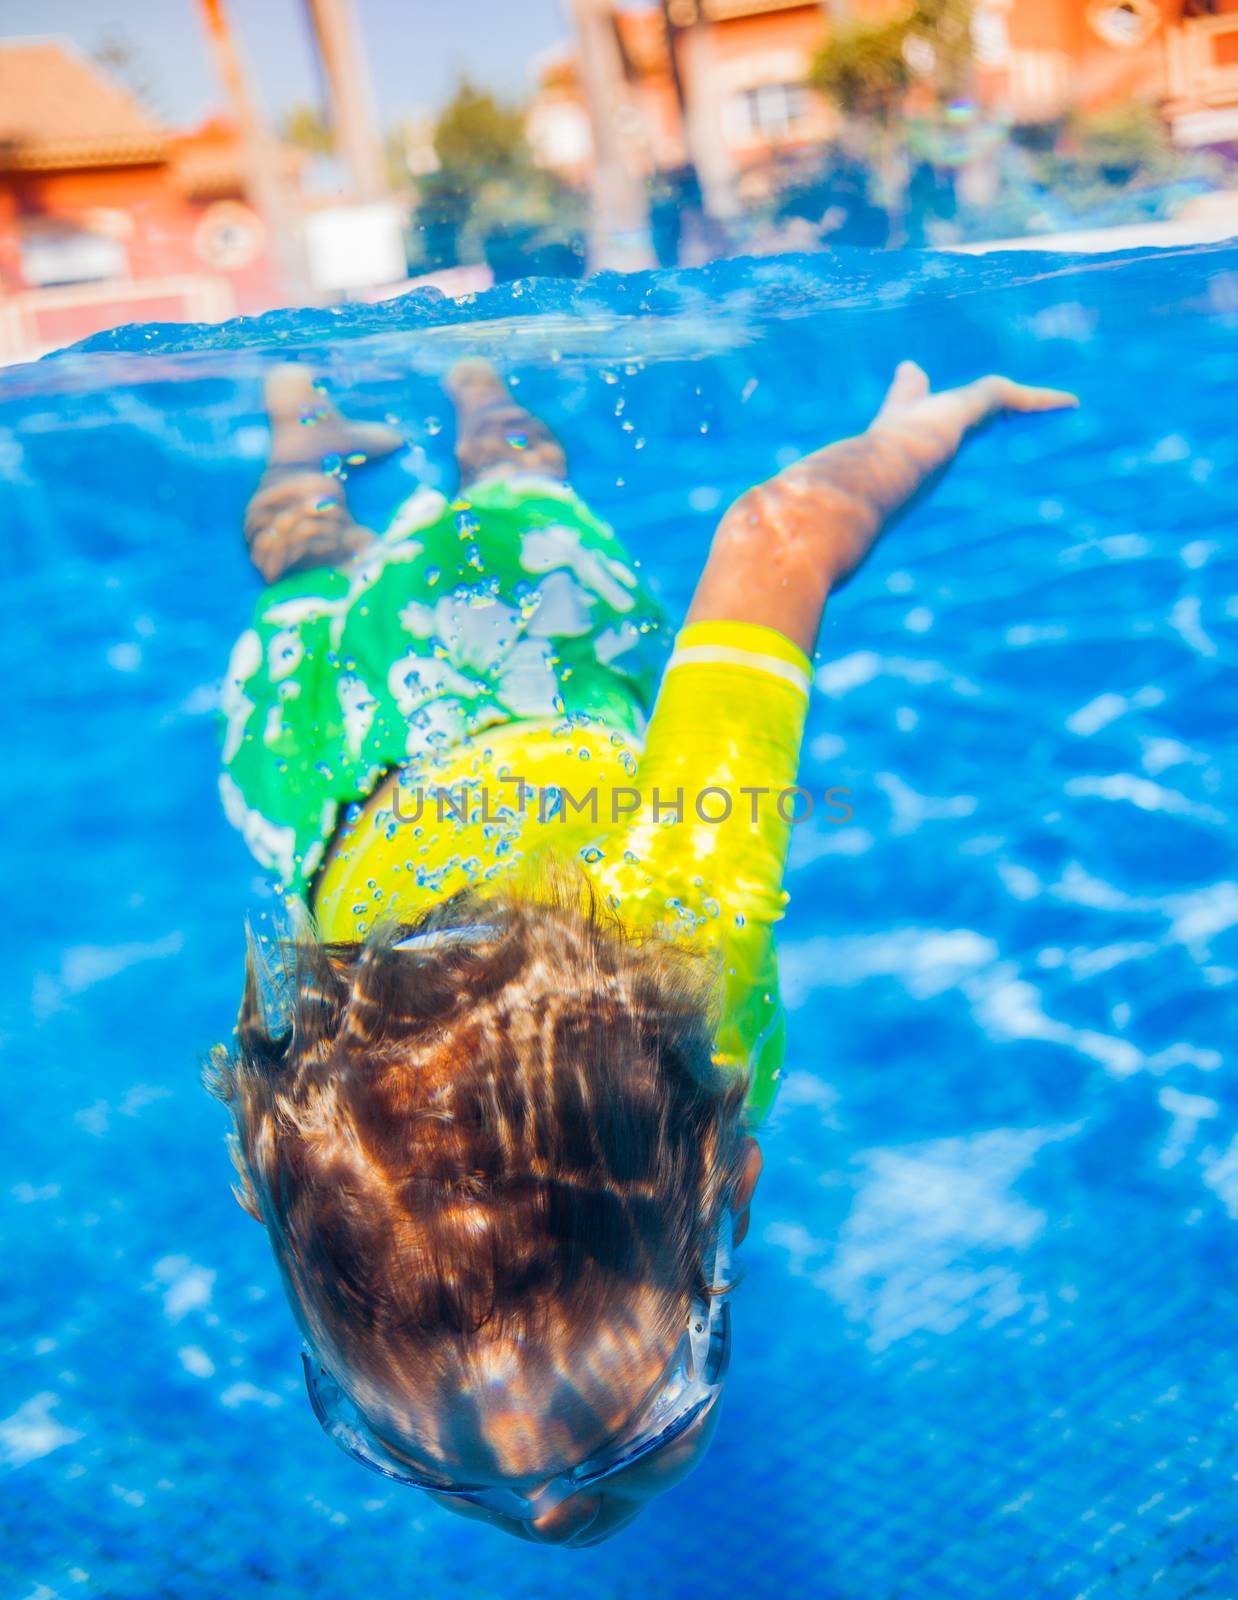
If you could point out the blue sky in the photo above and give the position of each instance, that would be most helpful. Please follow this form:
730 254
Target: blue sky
416 48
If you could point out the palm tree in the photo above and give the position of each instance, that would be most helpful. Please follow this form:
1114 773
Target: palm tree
619 229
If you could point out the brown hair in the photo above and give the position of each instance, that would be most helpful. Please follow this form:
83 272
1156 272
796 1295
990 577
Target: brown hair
518 1118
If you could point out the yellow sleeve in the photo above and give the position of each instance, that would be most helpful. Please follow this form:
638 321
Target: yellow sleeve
718 799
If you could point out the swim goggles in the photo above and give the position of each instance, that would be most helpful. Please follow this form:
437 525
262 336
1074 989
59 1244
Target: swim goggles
689 1386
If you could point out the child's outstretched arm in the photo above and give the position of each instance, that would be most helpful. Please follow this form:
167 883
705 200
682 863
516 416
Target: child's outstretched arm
784 545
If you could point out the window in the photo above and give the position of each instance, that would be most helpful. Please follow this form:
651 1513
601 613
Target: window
770 111
52 254
1125 24
560 135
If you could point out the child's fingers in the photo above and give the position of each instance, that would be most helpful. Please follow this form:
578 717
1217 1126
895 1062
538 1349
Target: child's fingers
910 384
975 403
1004 394
954 412
1030 397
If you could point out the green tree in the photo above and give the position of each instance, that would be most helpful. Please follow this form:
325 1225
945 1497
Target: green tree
477 136
305 127
1122 141
488 193
1104 159
865 67
944 26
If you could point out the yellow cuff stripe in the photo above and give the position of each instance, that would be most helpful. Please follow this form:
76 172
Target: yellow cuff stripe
753 636
719 655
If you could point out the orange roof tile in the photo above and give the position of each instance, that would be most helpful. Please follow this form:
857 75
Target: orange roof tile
685 12
724 10
208 162
58 110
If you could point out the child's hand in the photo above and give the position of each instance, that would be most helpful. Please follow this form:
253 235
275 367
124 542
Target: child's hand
786 544
931 427
914 436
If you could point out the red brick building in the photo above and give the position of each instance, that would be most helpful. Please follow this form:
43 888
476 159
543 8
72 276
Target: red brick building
747 64
1037 58
107 217
749 61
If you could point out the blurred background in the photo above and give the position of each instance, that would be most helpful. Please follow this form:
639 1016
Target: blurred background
195 160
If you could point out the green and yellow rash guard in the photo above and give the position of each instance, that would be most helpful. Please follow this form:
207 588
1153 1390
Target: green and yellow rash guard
689 834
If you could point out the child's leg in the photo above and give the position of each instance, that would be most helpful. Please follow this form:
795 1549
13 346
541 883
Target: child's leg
298 517
589 634
495 436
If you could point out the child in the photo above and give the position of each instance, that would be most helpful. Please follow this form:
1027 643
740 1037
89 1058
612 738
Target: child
493 1106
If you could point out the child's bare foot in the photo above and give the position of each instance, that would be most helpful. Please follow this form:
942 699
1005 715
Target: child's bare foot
305 425
298 520
299 516
495 435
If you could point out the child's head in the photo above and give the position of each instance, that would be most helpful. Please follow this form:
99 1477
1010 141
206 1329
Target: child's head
492 1154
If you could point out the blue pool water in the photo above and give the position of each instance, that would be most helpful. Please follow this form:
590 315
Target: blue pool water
985 1343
